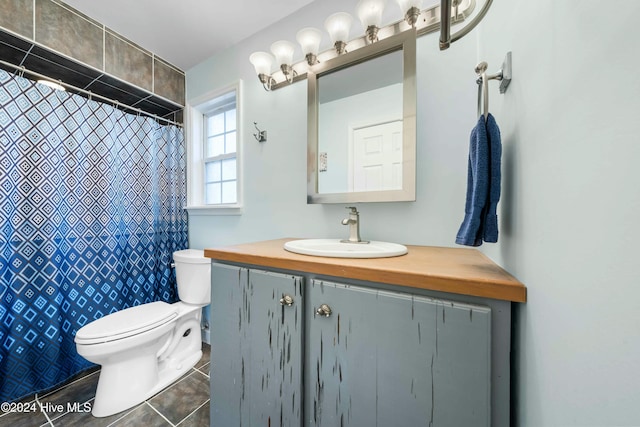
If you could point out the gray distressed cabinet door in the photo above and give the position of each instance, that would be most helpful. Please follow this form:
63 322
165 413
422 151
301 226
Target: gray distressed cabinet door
256 348
386 358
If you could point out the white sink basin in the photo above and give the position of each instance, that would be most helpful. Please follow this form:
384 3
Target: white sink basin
337 249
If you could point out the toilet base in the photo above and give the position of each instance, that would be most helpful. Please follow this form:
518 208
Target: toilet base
117 391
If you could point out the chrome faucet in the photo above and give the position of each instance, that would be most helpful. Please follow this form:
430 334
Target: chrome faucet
354 226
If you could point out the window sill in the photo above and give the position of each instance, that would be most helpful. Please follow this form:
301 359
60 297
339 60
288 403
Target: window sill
214 210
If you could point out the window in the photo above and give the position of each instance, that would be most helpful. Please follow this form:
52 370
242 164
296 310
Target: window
220 171
214 153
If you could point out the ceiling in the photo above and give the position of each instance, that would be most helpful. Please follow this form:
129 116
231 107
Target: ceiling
187 35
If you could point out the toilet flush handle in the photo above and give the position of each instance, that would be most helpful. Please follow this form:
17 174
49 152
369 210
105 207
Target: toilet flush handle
172 265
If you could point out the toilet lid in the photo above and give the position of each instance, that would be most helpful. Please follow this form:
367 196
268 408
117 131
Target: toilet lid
127 322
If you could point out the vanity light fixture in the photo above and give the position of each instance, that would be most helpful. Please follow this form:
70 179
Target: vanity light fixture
309 39
411 10
338 26
262 63
370 14
283 51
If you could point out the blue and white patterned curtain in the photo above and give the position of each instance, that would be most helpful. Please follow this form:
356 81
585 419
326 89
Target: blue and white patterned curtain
91 205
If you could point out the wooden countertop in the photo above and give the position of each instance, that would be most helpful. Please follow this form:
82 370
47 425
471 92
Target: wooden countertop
454 270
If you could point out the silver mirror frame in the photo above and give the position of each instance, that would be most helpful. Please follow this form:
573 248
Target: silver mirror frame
405 41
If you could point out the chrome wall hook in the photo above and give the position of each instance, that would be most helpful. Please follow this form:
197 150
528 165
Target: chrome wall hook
261 136
503 75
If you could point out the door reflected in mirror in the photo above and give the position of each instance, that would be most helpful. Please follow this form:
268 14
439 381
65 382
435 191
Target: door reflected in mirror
360 127
361 124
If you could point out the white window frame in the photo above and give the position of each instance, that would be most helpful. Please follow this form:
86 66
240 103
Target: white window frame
195 113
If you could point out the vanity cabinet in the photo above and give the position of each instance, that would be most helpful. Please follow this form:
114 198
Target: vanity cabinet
422 339
390 358
373 357
256 348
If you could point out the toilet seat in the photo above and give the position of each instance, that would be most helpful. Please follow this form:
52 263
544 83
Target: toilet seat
126 323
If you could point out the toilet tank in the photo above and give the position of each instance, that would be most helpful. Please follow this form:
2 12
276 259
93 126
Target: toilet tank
193 275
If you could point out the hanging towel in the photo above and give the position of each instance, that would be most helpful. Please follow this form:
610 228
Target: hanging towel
471 230
495 153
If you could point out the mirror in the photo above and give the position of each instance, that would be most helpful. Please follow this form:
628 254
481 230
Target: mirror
362 124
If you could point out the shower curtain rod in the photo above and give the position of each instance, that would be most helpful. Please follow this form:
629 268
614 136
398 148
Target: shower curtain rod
91 95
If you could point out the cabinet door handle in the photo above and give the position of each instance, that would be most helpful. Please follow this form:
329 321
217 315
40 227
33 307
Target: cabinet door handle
286 300
324 310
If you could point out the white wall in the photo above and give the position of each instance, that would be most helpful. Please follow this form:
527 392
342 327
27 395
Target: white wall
275 171
570 203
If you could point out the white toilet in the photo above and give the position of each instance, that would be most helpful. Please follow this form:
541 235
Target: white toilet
144 349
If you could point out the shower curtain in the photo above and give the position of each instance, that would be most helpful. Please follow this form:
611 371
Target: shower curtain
91 209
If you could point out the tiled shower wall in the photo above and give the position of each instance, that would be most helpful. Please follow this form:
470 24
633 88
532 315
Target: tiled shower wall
58 27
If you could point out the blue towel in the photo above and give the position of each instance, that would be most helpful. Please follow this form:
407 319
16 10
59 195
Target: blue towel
471 230
483 185
495 154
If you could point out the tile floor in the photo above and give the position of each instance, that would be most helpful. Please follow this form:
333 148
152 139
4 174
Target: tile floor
185 403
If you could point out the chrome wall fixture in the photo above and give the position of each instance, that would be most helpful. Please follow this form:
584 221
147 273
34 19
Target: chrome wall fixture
446 38
309 39
283 51
370 14
262 63
503 75
260 135
338 26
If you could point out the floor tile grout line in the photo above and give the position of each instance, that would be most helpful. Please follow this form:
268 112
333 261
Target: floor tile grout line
191 372
126 414
194 411
50 422
198 370
42 412
184 377
160 413
34 398
57 417
62 387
